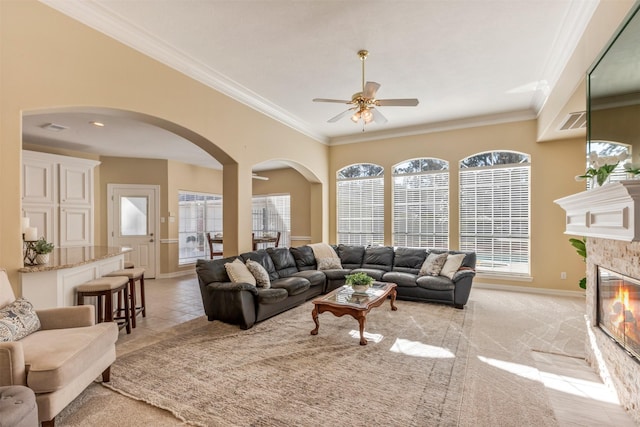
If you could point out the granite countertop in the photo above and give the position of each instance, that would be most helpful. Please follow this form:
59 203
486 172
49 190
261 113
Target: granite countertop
72 257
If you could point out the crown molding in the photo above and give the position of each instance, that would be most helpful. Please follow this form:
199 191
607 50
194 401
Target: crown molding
120 29
492 119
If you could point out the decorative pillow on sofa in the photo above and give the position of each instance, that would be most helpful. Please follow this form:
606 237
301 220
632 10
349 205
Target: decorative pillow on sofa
326 256
259 273
17 320
452 265
433 264
239 273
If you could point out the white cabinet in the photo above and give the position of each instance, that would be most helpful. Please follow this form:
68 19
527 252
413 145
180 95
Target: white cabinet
57 197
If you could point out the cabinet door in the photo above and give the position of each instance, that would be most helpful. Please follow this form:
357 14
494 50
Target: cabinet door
76 225
38 184
43 217
76 184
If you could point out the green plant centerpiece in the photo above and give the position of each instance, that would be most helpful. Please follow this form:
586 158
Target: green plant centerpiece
360 282
42 249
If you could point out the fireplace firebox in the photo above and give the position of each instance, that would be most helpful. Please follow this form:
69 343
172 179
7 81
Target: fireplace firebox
619 309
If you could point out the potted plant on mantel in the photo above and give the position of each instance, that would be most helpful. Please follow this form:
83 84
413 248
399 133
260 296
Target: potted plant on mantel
43 249
360 282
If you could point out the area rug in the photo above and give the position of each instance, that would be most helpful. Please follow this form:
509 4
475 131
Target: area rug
277 374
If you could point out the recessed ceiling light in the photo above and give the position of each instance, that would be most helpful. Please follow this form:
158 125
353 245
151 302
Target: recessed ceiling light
98 124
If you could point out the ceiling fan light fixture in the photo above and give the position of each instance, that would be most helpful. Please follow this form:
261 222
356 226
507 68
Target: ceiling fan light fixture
356 117
367 115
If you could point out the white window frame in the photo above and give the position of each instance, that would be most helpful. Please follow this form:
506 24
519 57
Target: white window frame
196 218
271 213
421 205
360 207
495 207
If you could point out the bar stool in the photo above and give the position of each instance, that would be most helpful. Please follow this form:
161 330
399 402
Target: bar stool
128 264
133 274
105 288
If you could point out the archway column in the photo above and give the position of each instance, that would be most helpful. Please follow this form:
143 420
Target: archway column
236 209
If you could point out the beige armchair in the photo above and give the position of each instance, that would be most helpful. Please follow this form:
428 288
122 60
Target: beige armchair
61 359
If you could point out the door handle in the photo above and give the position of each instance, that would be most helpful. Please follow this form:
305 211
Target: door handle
151 240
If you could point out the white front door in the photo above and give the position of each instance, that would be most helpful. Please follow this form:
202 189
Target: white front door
133 211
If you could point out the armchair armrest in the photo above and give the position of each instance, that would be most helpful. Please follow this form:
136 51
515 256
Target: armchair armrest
12 368
67 317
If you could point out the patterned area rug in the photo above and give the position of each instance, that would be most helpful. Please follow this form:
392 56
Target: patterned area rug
411 373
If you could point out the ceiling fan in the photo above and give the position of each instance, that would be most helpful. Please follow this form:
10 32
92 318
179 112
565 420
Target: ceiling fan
364 102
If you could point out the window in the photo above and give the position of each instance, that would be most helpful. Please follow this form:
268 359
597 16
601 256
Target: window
361 205
494 211
421 203
608 148
198 214
272 213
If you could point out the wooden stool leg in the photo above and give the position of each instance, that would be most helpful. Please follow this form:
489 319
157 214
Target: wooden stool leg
108 307
80 298
99 308
142 302
126 309
132 301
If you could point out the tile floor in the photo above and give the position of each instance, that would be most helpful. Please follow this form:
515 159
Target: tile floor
574 389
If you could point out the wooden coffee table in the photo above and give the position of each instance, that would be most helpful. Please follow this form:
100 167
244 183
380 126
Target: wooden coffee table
344 301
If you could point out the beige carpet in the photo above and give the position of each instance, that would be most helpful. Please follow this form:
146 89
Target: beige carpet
277 374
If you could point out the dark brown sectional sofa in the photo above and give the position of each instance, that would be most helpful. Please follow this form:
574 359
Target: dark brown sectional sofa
295 279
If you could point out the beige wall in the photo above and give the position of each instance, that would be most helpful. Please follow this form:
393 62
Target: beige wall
50 62
553 168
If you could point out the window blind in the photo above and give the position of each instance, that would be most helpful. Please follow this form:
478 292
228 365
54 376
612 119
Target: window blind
494 217
361 211
272 213
198 213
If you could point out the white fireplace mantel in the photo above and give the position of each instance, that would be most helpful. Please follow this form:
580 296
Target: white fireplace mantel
610 212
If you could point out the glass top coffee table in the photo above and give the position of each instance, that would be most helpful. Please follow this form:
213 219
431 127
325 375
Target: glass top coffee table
344 300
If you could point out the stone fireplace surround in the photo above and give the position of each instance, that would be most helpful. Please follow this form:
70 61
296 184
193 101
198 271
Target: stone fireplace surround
609 216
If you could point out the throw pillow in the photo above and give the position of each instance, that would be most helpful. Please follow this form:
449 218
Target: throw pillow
433 264
17 320
261 275
239 273
452 265
326 256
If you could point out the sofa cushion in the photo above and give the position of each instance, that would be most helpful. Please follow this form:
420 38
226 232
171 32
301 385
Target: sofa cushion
433 264
409 260
262 257
454 261
373 272
326 256
259 273
210 271
305 260
272 295
378 258
17 320
403 280
315 277
283 261
336 274
56 357
293 285
350 256
239 273
438 283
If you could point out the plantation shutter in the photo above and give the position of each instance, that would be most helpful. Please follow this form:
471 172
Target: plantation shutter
494 217
361 211
421 210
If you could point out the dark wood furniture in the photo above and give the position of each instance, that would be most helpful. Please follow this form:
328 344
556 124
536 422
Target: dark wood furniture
104 289
265 240
214 241
133 275
343 301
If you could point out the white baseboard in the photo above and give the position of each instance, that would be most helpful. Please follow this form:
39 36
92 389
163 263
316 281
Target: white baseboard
530 290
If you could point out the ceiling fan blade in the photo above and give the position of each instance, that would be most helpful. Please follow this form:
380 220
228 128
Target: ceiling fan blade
409 102
378 117
339 101
370 89
341 115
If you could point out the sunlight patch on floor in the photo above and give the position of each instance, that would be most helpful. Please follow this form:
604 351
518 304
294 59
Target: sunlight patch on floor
418 349
370 337
575 386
